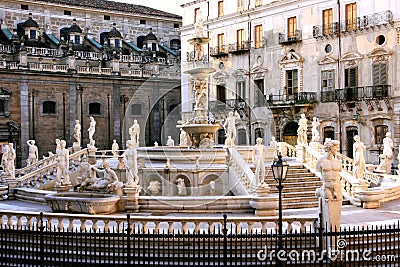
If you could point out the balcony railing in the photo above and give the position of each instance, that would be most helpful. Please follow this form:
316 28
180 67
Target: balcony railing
239 47
221 108
359 23
37 51
298 98
352 94
286 38
219 51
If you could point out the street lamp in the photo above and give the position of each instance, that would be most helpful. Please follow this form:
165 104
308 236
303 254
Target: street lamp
279 170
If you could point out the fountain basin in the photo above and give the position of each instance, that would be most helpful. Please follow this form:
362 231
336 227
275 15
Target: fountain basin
77 202
197 131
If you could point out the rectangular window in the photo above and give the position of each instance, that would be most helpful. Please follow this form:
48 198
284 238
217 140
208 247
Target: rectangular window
2 106
327 80
221 93
67 12
106 17
258 36
327 20
220 8
240 39
292 28
136 109
292 83
49 107
77 39
32 34
24 7
350 77
351 16
176 25
380 73
259 93
117 43
258 3
142 21
380 132
241 90
221 45
240 5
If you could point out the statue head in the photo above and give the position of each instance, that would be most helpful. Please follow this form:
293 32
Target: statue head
357 138
259 140
332 146
63 143
388 134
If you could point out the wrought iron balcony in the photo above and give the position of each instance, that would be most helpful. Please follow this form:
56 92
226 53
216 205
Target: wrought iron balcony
360 23
295 99
219 107
353 94
219 51
286 38
240 47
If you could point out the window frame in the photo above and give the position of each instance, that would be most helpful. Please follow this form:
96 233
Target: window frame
379 133
330 76
291 27
220 8
258 36
327 21
351 16
43 105
294 79
100 108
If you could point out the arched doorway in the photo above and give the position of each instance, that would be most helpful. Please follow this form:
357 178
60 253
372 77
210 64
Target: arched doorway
290 133
329 132
351 131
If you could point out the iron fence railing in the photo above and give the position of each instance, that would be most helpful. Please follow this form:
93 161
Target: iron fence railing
36 245
359 23
356 93
286 38
297 98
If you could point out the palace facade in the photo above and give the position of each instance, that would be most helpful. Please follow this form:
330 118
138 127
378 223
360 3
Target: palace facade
334 60
66 60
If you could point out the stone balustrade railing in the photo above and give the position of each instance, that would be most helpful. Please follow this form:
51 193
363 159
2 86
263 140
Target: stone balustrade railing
48 67
88 55
242 170
43 174
287 150
7 49
347 163
157 224
38 51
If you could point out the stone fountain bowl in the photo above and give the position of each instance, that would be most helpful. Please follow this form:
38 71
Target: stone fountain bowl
77 202
200 128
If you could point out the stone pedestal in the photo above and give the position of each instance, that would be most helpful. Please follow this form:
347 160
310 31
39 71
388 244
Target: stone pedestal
92 154
264 204
371 198
62 188
12 184
132 198
300 153
331 210
121 164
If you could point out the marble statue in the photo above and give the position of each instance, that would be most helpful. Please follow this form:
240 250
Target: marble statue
315 132
8 160
230 127
183 139
387 154
207 140
200 89
77 132
330 169
92 130
170 141
302 130
258 160
62 164
181 187
106 182
198 25
33 154
330 195
274 145
154 188
115 148
134 132
58 146
212 188
359 161
155 144
130 160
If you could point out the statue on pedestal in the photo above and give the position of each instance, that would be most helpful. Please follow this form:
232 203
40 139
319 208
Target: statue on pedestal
130 159
33 154
154 188
115 148
274 145
315 131
134 132
8 160
331 192
302 130
77 133
258 159
230 127
92 130
359 161
62 164
181 187
170 141
183 139
387 154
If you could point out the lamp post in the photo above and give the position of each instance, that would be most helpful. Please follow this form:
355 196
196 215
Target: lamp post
279 170
379 145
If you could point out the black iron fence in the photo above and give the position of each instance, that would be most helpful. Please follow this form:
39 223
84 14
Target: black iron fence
356 93
37 245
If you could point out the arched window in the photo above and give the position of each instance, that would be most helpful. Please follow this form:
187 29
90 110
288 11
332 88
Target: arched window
94 108
48 107
329 132
175 44
140 41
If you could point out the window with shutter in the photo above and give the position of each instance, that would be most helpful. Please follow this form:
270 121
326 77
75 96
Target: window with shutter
379 74
327 19
350 76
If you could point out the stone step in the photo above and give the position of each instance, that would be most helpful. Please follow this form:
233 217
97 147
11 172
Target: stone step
31 194
296 181
287 199
309 188
299 205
